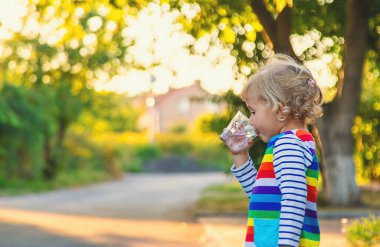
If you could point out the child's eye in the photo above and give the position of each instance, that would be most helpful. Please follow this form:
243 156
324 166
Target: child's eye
252 112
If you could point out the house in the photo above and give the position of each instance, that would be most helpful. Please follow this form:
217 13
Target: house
178 108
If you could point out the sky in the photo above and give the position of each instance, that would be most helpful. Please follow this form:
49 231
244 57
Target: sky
158 39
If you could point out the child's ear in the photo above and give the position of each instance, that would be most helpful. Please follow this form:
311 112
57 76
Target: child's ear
280 114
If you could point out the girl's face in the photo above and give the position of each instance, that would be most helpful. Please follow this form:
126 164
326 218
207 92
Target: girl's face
262 118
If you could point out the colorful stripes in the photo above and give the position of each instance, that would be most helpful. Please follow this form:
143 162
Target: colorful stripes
284 190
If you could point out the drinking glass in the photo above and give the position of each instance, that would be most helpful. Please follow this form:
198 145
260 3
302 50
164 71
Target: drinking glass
238 132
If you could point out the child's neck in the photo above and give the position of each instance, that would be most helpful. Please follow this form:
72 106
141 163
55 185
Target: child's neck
292 124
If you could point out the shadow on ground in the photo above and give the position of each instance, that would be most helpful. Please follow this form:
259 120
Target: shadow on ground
81 231
39 236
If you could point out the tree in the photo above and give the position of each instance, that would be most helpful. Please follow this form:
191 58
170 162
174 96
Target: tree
278 20
340 184
27 116
63 49
338 141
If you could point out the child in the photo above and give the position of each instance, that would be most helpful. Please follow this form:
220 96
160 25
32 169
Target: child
282 97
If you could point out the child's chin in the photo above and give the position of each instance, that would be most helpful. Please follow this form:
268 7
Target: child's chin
264 139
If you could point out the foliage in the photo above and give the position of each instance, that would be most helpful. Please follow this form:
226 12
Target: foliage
26 119
364 232
110 128
233 23
67 179
140 155
205 148
110 112
239 29
59 52
367 126
52 120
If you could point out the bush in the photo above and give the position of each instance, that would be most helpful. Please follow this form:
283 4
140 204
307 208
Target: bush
173 143
206 149
364 232
27 126
140 155
211 152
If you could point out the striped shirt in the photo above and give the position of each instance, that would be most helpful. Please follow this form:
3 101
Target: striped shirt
283 193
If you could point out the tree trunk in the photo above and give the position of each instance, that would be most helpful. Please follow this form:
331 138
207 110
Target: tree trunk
278 32
337 164
48 168
336 125
53 152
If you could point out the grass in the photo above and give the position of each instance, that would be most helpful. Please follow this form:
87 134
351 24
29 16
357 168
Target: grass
230 198
371 198
226 198
70 179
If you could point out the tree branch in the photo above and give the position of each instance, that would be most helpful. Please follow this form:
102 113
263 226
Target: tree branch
278 30
265 18
283 30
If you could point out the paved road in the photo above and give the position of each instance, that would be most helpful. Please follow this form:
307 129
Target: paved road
138 211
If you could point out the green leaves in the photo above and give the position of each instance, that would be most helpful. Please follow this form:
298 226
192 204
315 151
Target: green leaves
364 232
367 124
51 63
27 116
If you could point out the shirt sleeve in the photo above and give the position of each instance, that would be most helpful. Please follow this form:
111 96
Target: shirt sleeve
290 170
246 175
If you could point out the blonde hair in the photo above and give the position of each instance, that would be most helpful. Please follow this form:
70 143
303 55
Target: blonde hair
283 81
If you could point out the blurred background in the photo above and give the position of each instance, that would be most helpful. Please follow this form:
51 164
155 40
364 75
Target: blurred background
94 91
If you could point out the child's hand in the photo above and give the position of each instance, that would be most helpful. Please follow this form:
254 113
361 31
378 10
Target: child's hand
238 146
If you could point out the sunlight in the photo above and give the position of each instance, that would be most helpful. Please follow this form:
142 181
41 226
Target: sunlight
95 23
11 13
160 49
163 49
319 69
107 231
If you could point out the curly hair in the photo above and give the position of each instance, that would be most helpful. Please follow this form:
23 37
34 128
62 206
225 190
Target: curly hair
281 81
